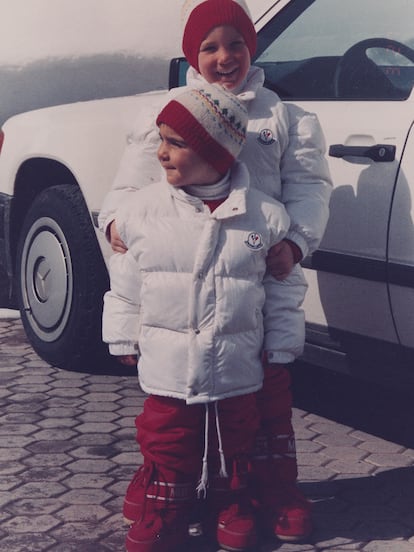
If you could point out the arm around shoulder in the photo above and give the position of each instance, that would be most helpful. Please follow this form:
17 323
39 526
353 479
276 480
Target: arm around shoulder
138 167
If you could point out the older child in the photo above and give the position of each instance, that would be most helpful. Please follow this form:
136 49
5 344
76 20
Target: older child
191 300
285 155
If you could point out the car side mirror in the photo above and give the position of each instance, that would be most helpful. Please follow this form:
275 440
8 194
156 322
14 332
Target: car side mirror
178 71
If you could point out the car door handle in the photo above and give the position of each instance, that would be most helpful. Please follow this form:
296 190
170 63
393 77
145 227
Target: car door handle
382 153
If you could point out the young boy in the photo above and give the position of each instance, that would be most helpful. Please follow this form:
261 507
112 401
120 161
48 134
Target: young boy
191 300
285 155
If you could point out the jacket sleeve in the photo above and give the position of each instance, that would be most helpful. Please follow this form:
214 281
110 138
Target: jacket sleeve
283 317
306 181
120 324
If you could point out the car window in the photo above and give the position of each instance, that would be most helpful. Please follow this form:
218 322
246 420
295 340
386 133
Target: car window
336 49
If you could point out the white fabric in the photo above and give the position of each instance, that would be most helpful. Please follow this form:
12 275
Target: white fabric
219 190
291 168
190 291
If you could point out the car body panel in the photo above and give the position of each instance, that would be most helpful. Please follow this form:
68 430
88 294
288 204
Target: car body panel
74 135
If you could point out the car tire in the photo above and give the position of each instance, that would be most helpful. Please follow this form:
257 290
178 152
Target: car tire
60 280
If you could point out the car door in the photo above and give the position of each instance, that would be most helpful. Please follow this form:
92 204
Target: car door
352 63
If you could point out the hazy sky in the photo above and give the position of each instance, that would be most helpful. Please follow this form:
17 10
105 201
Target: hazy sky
38 29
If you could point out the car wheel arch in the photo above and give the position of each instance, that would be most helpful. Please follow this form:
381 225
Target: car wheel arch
33 177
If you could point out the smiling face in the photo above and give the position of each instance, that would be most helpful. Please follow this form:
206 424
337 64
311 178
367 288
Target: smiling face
183 165
224 57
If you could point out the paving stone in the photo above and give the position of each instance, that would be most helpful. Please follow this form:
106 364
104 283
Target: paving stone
379 445
80 481
43 447
86 496
83 512
38 489
350 453
55 434
96 427
17 429
13 454
388 459
20 418
31 524
33 506
58 423
388 546
23 407
97 439
46 460
8 482
9 468
103 397
81 533
345 466
44 474
336 439
91 466
99 417
32 542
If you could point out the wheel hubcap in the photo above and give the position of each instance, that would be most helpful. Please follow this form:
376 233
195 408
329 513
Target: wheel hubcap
47 279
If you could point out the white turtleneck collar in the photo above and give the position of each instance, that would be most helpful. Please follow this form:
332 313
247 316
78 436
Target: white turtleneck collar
218 190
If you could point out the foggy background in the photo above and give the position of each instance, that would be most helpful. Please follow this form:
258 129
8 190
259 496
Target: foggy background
62 51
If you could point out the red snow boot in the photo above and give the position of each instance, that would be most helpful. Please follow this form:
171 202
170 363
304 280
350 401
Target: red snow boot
284 510
230 510
165 512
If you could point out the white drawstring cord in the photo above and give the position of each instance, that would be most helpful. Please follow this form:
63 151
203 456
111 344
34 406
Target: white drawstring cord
202 485
223 470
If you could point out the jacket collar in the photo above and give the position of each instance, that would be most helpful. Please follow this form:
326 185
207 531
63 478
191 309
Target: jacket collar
254 81
233 206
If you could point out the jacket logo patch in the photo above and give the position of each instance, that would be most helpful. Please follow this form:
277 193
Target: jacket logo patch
266 137
254 241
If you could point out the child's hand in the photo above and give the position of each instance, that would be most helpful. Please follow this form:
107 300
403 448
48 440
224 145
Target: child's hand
280 260
116 242
127 360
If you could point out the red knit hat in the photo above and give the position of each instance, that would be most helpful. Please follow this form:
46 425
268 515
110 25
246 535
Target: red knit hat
199 17
212 121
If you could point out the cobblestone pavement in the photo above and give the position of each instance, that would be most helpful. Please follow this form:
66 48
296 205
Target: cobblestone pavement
68 451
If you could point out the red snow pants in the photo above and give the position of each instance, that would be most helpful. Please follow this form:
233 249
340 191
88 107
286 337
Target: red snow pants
170 432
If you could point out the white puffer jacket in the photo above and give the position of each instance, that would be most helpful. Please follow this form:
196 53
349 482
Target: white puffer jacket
189 295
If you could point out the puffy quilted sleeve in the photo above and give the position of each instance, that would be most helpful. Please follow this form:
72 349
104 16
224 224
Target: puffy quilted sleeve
306 181
139 167
120 324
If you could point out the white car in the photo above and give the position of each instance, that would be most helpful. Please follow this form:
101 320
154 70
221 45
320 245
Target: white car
350 62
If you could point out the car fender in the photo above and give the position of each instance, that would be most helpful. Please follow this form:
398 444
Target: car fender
88 138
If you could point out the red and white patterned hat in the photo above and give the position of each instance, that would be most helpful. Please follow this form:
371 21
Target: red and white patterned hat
211 120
